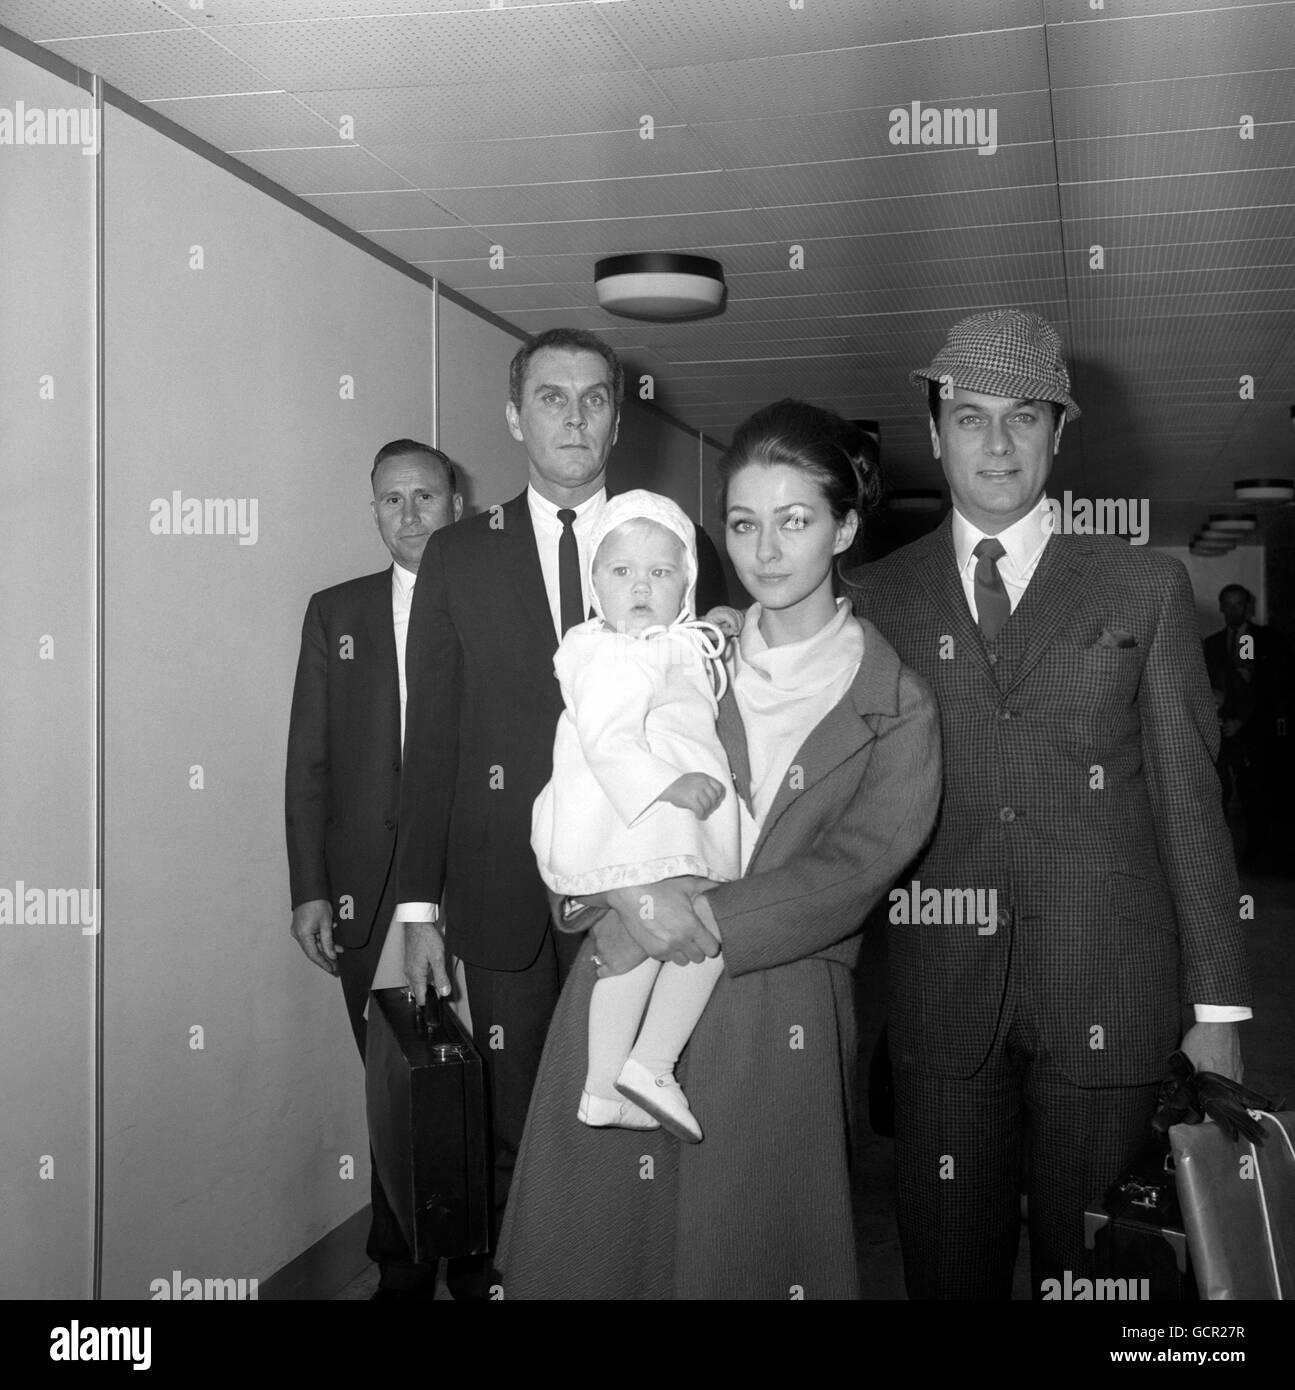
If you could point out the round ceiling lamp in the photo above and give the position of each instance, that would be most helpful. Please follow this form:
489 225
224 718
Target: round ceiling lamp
1233 525
1264 490
662 285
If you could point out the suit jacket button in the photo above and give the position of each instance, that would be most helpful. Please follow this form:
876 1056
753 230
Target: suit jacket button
993 658
395 767
1004 713
389 823
1004 917
1007 814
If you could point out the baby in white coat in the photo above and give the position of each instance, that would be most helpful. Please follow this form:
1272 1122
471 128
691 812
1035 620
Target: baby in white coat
640 792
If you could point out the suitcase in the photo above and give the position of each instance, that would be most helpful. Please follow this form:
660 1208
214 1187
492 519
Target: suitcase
1239 1204
1135 1231
425 1094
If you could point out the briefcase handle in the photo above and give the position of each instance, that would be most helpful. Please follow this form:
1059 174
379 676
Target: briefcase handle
430 1019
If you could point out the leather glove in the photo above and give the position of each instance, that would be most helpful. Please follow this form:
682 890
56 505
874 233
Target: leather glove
1188 1097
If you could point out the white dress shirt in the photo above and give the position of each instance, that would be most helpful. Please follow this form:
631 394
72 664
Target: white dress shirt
548 532
1023 543
390 970
402 596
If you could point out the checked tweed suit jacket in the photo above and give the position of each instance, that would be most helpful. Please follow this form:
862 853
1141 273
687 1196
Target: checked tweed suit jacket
1079 783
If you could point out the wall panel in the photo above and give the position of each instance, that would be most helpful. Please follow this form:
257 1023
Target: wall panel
47 709
251 356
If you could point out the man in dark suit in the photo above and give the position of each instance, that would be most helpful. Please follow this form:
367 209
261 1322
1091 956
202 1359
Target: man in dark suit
494 596
1079 740
344 755
1249 670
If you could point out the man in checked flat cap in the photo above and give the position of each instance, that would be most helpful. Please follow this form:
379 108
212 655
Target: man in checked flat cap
1079 744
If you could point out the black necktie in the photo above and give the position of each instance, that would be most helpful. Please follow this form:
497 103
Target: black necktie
993 607
569 599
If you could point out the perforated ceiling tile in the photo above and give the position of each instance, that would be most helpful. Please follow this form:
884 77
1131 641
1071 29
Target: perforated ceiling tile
913 174
252 121
384 211
595 199
1081 12
1185 103
555 105
506 300
178 62
1164 156
664 33
1131 198
430 243
1173 228
218 13
949 211
42 20
495 163
941 72
1168 287
343 168
1231 38
1021 118
521 45
605 237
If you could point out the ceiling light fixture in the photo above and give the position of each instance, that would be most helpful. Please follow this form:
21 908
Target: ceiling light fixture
1264 490
1233 525
659 285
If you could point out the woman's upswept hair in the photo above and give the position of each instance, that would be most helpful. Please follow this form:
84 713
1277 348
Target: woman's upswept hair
838 455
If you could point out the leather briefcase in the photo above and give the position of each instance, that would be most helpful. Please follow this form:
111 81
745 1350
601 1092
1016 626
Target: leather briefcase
1135 1231
428 1125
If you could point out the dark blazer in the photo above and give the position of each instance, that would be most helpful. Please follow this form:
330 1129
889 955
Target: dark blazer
343 779
1079 783
1261 700
483 707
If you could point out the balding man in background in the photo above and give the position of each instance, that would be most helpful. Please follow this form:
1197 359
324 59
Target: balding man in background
344 760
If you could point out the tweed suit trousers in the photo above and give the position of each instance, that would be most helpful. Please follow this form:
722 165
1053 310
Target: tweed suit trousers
965 1150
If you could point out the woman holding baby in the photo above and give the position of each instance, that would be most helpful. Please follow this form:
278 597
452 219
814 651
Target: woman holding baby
712 1160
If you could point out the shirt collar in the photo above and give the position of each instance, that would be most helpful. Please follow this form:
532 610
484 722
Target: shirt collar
1023 540
545 511
402 582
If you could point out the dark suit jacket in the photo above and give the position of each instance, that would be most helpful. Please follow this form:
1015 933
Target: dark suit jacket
1079 783
343 780
483 707
1261 700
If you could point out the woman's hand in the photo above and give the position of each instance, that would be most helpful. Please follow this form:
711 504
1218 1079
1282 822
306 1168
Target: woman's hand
617 951
661 918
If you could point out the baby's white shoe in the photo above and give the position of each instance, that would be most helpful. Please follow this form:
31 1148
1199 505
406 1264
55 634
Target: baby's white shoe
613 1114
662 1097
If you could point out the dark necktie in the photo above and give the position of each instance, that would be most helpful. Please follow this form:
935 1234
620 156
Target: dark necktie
569 599
993 607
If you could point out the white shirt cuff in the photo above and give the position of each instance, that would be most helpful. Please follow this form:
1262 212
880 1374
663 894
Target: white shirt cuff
1222 1013
417 912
